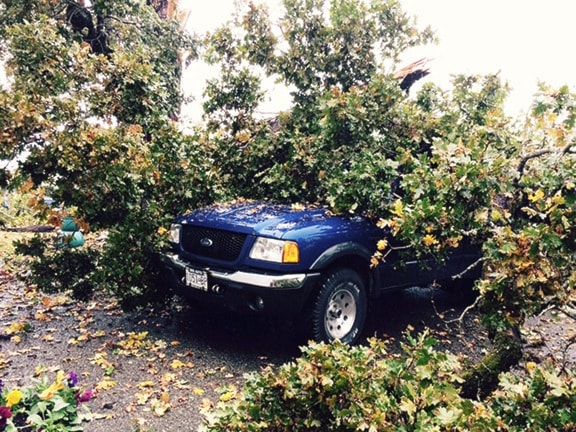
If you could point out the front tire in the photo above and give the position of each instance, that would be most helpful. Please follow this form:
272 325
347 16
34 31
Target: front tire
339 309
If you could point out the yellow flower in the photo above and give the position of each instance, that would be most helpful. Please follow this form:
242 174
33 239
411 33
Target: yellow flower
60 377
54 387
429 240
13 398
162 231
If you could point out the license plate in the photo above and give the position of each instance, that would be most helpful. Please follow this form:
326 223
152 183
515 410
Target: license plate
197 279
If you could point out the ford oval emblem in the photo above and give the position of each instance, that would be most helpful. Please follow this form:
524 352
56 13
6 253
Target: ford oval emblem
206 242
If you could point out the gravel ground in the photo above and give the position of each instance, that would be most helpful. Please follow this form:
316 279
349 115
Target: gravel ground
154 369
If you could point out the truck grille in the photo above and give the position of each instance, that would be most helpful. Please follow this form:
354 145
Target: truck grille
212 243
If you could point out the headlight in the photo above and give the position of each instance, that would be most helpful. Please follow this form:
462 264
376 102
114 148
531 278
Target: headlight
280 251
175 233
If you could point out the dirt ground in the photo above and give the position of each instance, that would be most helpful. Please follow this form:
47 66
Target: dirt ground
155 369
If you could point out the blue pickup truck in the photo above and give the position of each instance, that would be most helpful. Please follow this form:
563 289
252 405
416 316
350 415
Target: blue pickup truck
291 262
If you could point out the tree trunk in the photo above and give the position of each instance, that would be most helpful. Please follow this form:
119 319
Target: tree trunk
164 8
482 378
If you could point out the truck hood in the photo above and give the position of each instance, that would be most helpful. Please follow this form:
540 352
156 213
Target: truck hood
256 217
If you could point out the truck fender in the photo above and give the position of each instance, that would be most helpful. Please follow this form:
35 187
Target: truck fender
347 250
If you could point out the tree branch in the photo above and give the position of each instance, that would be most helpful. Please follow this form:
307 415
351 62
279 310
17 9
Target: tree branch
470 267
468 308
524 161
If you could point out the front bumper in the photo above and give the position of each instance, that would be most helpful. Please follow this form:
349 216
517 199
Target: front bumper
243 291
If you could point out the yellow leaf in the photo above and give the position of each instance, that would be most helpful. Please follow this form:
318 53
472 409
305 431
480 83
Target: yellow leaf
168 377
177 364
3 362
105 384
398 208
454 241
206 404
243 136
130 408
198 391
145 384
227 396
39 370
41 316
382 223
537 196
429 240
160 407
100 360
408 406
142 398
382 244
558 200
16 328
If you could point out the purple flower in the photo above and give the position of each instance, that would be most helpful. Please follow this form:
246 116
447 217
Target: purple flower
72 380
5 414
1 385
84 397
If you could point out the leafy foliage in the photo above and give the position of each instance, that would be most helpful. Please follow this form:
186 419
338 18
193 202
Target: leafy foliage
17 209
88 116
333 60
340 388
49 405
57 270
438 168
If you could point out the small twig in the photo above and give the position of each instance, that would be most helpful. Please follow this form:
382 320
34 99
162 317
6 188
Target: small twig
464 312
469 268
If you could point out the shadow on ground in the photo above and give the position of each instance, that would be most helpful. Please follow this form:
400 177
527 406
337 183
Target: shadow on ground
390 316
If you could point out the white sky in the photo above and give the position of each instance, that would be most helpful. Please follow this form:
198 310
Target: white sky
524 40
